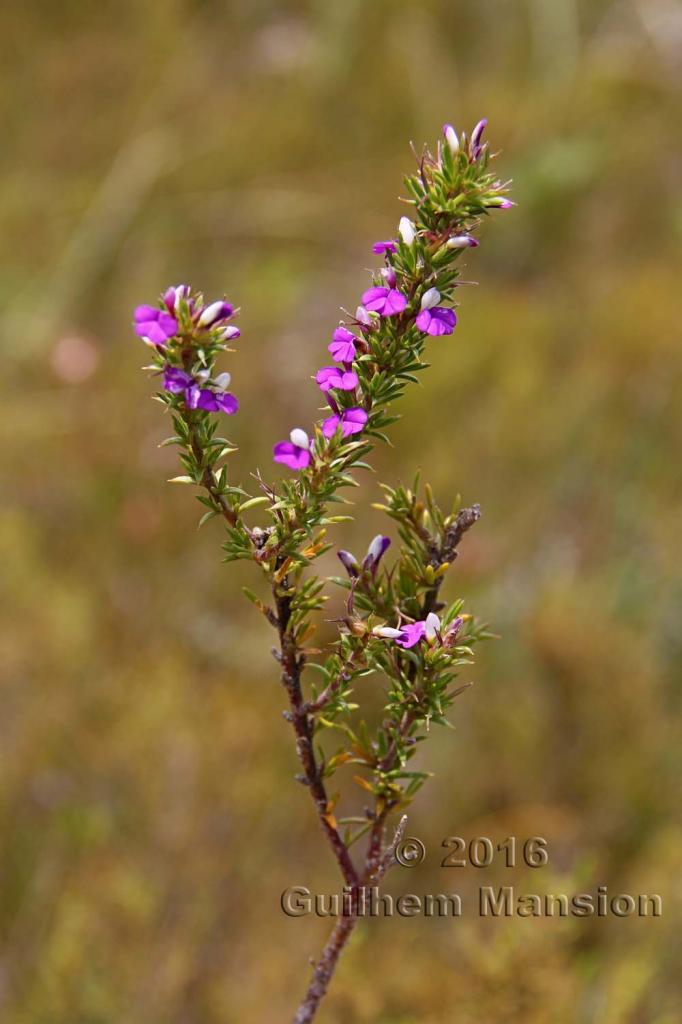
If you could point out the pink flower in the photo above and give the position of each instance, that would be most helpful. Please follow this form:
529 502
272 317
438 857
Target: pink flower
351 421
384 301
154 325
342 346
332 377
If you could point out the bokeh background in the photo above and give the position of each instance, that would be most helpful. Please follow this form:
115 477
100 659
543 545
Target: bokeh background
149 817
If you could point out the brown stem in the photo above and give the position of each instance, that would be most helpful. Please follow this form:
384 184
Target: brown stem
324 968
292 664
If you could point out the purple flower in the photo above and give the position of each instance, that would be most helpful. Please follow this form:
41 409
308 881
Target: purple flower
351 421
332 377
176 381
475 147
342 346
216 399
380 247
215 314
384 301
375 552
154 325
411 634
436 321
294 453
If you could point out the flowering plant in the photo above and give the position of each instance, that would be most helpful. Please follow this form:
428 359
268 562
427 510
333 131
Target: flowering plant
395 624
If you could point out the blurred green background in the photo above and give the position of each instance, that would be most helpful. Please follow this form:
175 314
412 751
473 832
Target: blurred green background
149 819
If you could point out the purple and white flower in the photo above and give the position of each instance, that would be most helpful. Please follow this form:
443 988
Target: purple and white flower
475 146
342 346
351 421
371 560
384 301
429 629
172 296
294 453
230 333
436 320
209 399
375 552
349 562
214 314
154 325
461 242
332 377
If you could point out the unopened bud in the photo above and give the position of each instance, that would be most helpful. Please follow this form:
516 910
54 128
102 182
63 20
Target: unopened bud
451 138
406 230
349 562
461 242
214 313
229 333
387 632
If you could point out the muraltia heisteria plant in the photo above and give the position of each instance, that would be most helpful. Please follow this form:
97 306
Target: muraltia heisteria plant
395 625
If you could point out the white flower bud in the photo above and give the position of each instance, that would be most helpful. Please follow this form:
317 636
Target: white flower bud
299 438
387 632
210 314
406 230
432 626
461 242
222 381
430 298
451 138
376 548
228 333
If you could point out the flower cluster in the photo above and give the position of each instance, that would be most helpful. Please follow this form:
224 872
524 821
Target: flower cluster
186 335
411 296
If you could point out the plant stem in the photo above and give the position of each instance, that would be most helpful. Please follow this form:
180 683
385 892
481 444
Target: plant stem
292 663
324 969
